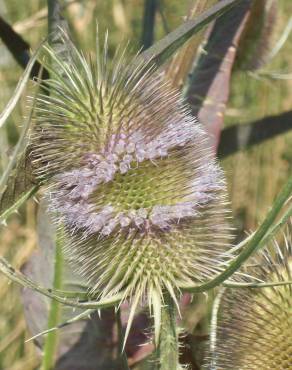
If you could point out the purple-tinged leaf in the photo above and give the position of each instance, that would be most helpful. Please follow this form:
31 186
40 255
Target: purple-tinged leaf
84 345
208 88
180 65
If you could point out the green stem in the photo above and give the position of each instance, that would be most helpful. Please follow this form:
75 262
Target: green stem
54 314
12 209
168 346
257 285
54 21
122 351
255 243
56 294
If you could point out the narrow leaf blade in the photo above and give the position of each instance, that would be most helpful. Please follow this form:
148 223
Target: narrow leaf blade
208 87
167 46
19 88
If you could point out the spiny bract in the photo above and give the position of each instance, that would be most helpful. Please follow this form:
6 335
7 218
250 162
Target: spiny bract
131 178
254 325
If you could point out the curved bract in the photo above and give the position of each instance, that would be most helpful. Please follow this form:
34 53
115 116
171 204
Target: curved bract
131 178
253 329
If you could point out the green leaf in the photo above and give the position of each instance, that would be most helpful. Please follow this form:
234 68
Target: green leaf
17 181
20 87
167 46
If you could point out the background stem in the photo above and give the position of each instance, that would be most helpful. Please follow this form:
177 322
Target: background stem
55 22
54 314
168 348
150 7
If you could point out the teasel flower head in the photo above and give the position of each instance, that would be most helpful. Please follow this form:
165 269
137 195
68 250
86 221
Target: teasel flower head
131 178
252 327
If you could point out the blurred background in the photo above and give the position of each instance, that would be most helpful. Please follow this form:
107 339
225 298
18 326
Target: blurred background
260 86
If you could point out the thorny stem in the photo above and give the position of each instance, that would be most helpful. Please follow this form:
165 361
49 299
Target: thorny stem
54 21
168 346
8 212
84 315
51 339
56 294
213 330
257 285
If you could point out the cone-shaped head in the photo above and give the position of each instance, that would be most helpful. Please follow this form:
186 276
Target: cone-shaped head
131 177
252 329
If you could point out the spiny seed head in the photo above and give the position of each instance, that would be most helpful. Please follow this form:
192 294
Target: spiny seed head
254 325
131 178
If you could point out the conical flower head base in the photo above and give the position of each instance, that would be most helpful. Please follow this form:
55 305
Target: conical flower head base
254 325
131 178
